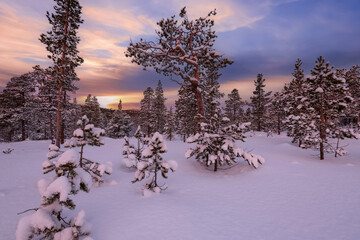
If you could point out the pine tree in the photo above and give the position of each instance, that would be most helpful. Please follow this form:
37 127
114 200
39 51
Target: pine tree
16 105
233 107
215 143
352 77
61 41
88 134
48 221
170 127
328 99
275 113
147 118
185 112
129 153
92 109
159 109
120 124
154 163
297 120
211 96
259 100
184 48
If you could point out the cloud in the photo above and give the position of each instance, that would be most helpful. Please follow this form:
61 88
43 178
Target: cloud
124 19
19 42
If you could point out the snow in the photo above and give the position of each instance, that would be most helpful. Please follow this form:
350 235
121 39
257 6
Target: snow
69 156
78 133
319 90
61 185
293 196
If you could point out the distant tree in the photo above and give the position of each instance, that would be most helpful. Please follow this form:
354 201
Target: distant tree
16 105
170 127
297 120
183 48
259 102
211 95
233 107
159 108
352 77
147 115
92 109
61 41
185 112
120 124
276 113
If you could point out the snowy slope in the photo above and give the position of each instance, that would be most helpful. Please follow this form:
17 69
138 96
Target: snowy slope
292 196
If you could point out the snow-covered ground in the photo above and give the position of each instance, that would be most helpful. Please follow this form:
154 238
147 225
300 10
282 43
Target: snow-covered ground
293 195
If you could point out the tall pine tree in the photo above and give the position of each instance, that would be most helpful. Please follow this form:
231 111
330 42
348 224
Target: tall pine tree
61 41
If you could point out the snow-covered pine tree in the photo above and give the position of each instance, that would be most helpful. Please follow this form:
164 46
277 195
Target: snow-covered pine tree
159 108
328 99
129 153
61 41
259 100
16 105
170 127
92 109
185 112
275 113
87 134
147 115
184 48
295 95
47 99
234 107
211 95
215 143
120 124
352 77
154 164
48 221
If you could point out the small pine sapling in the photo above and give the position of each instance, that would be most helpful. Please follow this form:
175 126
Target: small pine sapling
153 163
48 221
87 134
215 144
129 153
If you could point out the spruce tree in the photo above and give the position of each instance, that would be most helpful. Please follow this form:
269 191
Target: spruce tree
61 41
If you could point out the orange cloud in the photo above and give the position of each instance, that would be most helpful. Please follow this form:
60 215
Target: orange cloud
246 86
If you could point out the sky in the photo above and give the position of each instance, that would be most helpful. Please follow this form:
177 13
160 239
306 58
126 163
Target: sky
260 36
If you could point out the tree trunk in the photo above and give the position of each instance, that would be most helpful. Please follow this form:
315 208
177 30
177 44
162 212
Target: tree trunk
58 117
200 104
51 127
22 130
216 166
279 124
